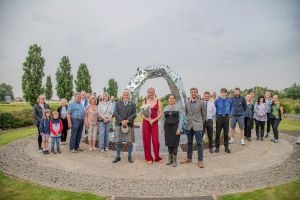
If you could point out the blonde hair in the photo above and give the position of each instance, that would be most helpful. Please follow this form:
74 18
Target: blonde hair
40 96
45 112
91 98
54 112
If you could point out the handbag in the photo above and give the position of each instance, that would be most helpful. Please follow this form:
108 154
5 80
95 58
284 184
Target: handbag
124 129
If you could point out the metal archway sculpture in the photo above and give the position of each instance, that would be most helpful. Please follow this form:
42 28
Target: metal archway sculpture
173 80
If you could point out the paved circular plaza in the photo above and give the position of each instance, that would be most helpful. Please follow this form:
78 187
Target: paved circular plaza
255 165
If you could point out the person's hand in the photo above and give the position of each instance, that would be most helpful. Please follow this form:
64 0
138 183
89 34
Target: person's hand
177 132
70 125
151 121
86 125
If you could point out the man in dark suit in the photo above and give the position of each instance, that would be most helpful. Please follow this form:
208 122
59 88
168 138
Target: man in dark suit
125 113
196 115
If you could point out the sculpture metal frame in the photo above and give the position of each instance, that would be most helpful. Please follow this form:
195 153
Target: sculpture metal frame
173 79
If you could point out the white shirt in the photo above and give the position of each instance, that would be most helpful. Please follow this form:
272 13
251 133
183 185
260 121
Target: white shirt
211 110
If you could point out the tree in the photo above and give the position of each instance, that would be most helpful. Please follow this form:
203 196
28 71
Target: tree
83 81
33 75
6 90
48 89
64 79
293 91
112 87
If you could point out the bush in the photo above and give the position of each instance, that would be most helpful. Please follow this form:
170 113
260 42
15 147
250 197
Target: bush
16 119
287 108
297 108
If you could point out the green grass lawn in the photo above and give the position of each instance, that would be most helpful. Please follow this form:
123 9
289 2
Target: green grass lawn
18 106
16 189
289 125
288 191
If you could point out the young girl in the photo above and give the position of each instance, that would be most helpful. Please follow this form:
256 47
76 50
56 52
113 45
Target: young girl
45 130
56 127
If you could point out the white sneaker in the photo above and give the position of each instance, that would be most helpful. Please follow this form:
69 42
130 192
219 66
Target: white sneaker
231 141
242 142
106 149
102 150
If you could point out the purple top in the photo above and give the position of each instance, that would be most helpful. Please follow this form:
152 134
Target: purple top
260 112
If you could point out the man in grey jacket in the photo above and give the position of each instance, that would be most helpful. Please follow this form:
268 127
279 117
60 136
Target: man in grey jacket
196 114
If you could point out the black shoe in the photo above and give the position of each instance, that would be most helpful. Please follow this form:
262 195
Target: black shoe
211 150
130 159
261 138
267 135
217 150
117 159
257 138
249 139
227 150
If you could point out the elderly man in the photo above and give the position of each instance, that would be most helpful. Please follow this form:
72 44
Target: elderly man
75 118
125 113
196 115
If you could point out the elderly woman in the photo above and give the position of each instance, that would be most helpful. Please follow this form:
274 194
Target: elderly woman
105 112
171 121
38 110
91 122
62 112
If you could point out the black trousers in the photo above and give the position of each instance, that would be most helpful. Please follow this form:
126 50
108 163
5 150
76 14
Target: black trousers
39 137
208 127
65 130
268 123
275 124
248 127
222 123
260 128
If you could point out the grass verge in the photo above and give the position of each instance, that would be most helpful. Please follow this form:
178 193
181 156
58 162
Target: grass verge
16 189
289 125
287 191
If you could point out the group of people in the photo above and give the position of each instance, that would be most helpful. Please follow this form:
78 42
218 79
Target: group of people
95 115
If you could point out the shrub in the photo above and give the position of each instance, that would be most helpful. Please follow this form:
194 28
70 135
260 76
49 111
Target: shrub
287 107
297 108
16 119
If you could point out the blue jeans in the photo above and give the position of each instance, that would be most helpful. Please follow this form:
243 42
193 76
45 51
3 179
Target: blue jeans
198 136
55 140
103 135
76 130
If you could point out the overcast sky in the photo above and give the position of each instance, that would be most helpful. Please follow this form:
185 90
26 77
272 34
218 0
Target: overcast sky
211 44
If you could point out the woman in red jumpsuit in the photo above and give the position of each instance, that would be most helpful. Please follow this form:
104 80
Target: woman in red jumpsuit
150 127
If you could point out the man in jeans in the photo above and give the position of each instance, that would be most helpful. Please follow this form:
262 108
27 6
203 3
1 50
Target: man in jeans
239 107
196 114
223 109
75 118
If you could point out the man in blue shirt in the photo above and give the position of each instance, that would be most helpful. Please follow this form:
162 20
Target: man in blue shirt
223 109
75 118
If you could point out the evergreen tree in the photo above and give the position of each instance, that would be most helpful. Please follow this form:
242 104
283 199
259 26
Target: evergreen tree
64 79
83 81
48 89
293 91
33 75
6 90
112 87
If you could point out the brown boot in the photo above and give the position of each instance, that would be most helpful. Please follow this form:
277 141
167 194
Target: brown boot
185 161
200 164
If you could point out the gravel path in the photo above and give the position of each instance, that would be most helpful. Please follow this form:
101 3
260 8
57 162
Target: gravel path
257 164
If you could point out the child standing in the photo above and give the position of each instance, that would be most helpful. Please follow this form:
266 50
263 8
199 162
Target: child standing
45 130
56 128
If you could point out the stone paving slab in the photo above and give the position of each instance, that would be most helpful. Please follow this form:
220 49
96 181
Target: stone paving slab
255 165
